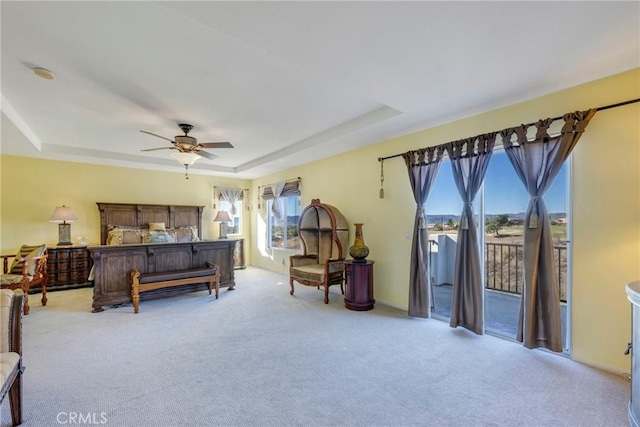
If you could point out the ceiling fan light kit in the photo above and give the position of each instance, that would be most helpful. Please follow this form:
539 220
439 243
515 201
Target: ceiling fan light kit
185 159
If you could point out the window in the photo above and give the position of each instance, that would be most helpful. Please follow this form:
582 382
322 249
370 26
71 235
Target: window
284 234
236 226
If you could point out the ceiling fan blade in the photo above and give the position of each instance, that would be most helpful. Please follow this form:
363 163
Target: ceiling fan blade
205 154
161 148
216 144
170 140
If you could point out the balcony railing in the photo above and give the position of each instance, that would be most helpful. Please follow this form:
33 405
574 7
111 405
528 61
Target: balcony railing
504 267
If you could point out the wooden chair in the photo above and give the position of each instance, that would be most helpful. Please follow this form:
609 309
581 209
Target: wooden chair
28 270
324 235
11 368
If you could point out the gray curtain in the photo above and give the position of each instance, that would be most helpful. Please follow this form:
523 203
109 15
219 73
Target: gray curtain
537 163
423 166
469 161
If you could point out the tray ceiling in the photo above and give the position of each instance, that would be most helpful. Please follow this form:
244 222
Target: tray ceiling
285 82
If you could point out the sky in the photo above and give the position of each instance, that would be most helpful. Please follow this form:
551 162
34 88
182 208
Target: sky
293 205
504 193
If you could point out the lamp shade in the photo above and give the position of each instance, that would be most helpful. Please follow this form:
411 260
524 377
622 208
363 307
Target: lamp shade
62 215
222 216
185 158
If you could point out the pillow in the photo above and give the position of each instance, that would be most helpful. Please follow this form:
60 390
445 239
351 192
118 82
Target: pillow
120 234
26 251
132 236
184 234
157 226
33 263
114 237
194 233
160 237
171 232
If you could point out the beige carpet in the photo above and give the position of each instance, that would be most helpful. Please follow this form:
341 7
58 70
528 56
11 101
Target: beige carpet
260 357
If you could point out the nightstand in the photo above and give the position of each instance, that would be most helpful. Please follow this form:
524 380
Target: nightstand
68 267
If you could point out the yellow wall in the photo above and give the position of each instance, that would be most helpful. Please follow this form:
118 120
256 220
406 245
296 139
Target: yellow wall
606 207
32 188
606 204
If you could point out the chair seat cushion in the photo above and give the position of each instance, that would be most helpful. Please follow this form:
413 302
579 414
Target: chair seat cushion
310 272
12 279
8 363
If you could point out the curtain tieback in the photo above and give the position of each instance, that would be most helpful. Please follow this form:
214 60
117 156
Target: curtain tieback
464 218
533 219
422 221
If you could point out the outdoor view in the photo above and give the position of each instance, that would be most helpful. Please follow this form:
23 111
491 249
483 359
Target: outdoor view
505 201
235 227
284 234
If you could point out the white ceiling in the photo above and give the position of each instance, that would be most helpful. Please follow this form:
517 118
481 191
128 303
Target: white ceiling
285 82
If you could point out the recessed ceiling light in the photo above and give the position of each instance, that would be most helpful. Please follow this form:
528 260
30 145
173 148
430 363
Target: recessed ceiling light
45 74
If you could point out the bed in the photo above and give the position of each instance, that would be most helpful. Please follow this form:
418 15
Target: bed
131 246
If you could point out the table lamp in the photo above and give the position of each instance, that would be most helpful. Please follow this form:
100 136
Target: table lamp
64 216
222 217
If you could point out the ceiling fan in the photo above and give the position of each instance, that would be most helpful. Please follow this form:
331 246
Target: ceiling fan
189 149
188 144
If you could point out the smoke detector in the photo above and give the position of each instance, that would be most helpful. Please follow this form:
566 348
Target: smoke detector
45 74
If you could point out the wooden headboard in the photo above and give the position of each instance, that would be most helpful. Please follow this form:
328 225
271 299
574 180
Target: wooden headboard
138 215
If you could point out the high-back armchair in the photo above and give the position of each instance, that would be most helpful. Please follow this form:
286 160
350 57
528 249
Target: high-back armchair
11 351
28 270
324 237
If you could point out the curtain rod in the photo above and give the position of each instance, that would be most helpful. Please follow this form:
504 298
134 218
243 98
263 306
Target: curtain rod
286 180
235 188
606 107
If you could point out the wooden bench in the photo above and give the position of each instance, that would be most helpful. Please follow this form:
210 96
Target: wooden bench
151 281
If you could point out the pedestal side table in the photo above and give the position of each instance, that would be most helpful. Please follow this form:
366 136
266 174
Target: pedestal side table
358 294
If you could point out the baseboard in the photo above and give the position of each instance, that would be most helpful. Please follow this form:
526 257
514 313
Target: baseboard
603 367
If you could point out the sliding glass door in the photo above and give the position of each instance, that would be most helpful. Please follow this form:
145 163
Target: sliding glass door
443 209
505 201
500 207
